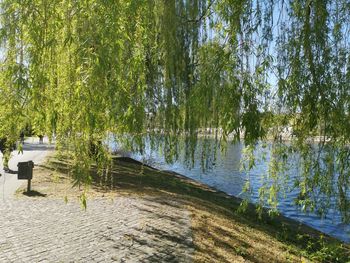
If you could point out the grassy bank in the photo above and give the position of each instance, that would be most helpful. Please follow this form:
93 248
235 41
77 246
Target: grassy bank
220 232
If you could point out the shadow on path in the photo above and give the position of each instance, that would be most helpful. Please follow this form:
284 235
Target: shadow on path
37 147
34 193
11 171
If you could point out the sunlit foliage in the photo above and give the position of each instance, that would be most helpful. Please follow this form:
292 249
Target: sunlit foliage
84 70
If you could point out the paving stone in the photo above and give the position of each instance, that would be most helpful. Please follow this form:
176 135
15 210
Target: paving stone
126 230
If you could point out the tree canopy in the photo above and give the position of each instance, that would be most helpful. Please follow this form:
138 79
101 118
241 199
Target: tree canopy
83 70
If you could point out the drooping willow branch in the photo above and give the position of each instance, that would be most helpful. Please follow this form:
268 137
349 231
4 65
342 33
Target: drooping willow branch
177 68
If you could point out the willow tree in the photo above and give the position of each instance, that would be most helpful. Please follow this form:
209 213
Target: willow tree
84 70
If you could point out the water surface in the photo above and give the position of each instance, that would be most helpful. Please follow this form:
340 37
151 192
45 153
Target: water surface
224 173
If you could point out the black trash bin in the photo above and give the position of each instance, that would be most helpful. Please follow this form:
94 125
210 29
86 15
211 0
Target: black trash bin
25 170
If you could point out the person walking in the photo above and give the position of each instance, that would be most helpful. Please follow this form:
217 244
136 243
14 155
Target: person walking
21 136
6 153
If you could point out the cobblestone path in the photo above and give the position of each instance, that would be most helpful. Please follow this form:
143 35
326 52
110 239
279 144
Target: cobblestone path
126 229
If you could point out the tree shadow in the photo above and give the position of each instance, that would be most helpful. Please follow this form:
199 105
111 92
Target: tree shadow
129 175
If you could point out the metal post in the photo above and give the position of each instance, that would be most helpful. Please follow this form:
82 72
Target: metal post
28 186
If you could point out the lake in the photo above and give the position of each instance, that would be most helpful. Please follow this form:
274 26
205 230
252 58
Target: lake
223 173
